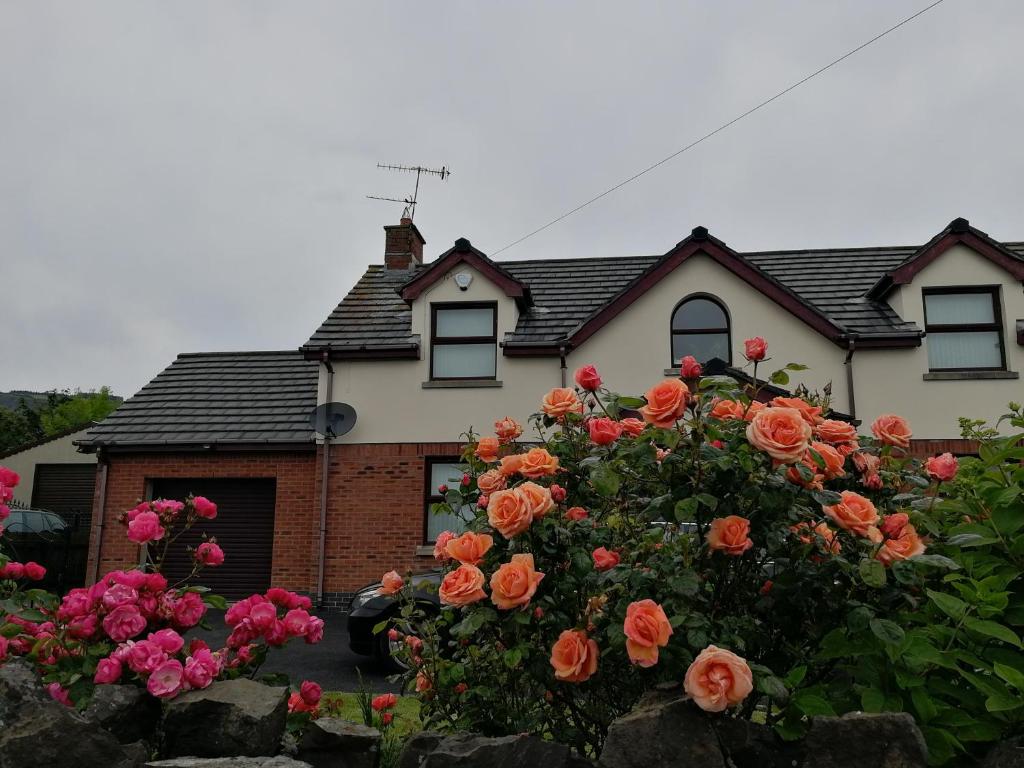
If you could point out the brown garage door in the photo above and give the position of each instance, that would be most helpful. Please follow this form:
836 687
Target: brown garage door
244 528
66 489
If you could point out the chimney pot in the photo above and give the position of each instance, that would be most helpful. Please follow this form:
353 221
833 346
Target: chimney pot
403 245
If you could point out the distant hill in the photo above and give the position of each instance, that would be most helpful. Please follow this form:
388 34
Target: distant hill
34 400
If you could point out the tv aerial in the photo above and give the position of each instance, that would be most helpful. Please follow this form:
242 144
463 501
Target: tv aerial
409 212
332 419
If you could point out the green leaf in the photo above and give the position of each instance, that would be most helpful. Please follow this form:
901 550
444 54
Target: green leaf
631 403
773 687
795 676
812 705
779 377
953 607
1003 703
888 632
512 658
453 498
872 700
993 629
923 704
796 367
216 602
1013 676
606 481
936 561
872 572
971 540
1008 520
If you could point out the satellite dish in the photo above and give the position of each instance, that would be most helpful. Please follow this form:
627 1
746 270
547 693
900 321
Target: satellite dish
333 419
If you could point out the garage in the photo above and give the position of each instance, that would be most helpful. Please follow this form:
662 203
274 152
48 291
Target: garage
65 488
244 528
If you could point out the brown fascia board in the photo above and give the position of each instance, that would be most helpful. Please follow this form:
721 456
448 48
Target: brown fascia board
363 352
464 253
959 231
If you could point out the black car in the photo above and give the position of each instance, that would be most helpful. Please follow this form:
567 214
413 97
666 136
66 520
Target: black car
369 608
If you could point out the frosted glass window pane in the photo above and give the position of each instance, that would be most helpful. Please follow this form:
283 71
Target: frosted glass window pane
959 308
977 349
699 313
450 475
464 322
702 346
464 361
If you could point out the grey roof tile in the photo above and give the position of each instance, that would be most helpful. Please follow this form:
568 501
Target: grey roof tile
217 398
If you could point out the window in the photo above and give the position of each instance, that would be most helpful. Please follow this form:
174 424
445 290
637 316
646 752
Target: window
463 341
441 472
700 327
964 329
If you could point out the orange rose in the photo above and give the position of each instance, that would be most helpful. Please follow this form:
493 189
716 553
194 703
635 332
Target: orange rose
817 481
835 432
574 656
833 459
753 409
560 401
727 409
576 513
730 535
811 413
537 462
487 449
515 583
892 430
490 481
866 463
942 468
604 560
507 429
782 433
463 586
632 427
423 683
718 679
829 539
469 548
907 545
855 514
508 512
666 402
390 583
510 464
537 497
646 629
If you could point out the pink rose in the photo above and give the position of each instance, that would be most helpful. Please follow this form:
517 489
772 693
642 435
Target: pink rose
942 468
204 507
391 583
310 692
83 627
119 594
384 701
632 427
34 571
587 378
145 528
14 571
576 513
295 622
440 551
145 656
75 603
165 681
59 694
168 640
208 553
755 349
201 668
108 671
123 623
263 616
9 477
188 610
689 368
604 431
314 630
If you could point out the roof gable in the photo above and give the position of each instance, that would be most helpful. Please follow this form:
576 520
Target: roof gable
463 252
959 232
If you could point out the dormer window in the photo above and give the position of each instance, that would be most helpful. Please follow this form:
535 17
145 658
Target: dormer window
964 329
463 341
700 327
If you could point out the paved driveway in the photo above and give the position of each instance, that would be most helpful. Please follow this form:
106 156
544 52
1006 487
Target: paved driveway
329 663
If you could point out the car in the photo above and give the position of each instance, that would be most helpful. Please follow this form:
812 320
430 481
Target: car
369 608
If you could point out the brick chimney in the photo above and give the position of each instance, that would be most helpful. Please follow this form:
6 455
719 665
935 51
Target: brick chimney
403 245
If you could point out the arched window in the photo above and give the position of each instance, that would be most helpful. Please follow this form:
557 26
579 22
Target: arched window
700 327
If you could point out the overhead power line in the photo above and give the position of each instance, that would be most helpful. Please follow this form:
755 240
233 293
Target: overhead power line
720 128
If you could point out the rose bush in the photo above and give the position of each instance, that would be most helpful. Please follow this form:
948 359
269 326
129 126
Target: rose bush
128 627
704 534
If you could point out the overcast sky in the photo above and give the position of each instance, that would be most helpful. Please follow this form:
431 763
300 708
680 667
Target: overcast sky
190 176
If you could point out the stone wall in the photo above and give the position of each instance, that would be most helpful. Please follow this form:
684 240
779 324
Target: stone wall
241 724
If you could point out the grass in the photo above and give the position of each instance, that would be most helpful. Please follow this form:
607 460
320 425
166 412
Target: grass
346 706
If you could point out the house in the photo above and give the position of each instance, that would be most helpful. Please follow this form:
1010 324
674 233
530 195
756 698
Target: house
54 475
422 351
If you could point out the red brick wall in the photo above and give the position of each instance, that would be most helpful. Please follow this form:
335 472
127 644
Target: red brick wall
922 449
375 510
296 518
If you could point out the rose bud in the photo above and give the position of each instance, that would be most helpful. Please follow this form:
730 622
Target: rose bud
557 493
689 368
442 488
587 378
755 349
